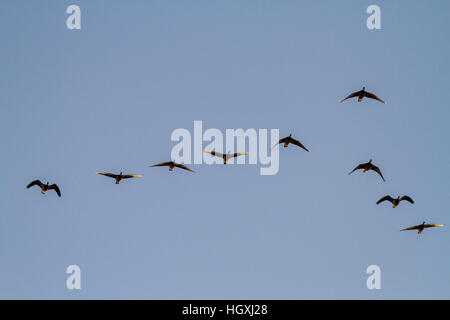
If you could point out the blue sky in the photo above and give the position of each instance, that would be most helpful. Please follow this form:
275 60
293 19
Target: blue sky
107 98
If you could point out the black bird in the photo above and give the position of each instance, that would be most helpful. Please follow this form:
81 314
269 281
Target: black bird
172 165
368 166
395 201
227 156
119 176
422 226
287 140
361 94
45 187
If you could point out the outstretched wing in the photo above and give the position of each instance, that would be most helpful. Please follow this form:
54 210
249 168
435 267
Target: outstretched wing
377 170
238 154
281 141
127 176
162 164
214 153
407 199
388 198
430 225
372 96
354 94
111 175
56 188
359 166
182 166
411 228
35 182
298 143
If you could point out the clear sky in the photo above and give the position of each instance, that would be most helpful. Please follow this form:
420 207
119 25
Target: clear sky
107 98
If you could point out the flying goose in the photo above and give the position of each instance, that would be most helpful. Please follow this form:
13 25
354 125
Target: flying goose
172 165
395 201
227 156
361 94
119 176
422 226
45 187
368 166
287 140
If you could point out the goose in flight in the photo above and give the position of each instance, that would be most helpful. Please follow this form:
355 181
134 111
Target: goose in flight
119 177
395 201
287 140
368 166
172 165
227 156
45 187
361 94
422 226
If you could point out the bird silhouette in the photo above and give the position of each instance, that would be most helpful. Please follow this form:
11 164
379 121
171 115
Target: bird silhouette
119 176
226 156
361 94
368 166
287 140
422 226
45 187
395 201
172 165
